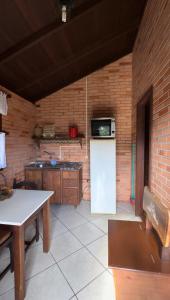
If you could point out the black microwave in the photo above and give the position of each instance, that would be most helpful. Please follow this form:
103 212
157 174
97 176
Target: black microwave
103 128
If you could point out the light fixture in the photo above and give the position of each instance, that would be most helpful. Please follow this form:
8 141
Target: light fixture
66 6
64 13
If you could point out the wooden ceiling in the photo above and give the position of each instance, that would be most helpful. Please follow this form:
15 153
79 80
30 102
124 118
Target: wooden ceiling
39 54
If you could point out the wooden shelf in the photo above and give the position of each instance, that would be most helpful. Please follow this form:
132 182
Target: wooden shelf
61 140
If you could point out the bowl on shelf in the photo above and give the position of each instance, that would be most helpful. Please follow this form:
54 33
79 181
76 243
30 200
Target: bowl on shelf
53 162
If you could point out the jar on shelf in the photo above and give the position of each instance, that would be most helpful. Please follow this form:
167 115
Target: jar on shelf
38 131
73 132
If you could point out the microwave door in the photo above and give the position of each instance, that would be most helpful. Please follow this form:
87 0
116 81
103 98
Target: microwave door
104 130
101 128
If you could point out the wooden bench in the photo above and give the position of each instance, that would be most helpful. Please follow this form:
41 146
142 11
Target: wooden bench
139 272
158 217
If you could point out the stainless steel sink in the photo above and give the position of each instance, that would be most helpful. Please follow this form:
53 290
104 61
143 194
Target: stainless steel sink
59 165
39 164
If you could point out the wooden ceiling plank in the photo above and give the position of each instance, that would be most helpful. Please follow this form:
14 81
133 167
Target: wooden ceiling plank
34 21
83 74
74 59
47 31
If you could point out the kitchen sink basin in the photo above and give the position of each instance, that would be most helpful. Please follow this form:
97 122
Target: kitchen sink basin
59 165
41 164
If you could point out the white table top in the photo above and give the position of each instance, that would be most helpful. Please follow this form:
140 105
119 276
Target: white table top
22 205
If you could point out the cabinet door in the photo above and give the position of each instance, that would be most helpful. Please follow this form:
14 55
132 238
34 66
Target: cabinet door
34 176
52 182
70 196
70 187
70 179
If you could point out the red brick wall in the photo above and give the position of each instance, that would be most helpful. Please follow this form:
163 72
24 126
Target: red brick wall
20 148
151 66
109 93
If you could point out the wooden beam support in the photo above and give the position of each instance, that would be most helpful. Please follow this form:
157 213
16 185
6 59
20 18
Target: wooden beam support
79 76
85 52
45 32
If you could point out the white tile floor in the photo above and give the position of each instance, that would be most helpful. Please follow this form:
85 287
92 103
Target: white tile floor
76 266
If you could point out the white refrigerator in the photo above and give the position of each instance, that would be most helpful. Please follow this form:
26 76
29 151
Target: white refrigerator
103 175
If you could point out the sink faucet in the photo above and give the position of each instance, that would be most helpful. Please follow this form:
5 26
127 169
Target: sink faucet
49 153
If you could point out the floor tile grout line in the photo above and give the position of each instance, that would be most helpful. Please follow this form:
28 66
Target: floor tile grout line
84 246
70 230
58 261
98 227
80 214
103 234
91 221
75 294
96 258
95 278
73 227
64 277
57 234
109 272
75 211
88 221
28 279
36 273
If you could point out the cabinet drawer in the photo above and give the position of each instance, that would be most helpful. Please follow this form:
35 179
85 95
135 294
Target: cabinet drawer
70 196
70 179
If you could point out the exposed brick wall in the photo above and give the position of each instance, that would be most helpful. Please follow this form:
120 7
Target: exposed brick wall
20 148
151 66
109 93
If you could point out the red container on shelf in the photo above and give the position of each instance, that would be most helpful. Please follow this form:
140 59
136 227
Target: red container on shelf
73 132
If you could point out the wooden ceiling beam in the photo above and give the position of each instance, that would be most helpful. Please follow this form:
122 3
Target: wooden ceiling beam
85 52
45 32
105 62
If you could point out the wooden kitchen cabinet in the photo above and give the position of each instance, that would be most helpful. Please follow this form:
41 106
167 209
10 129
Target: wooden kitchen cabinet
71 187
66 184
70 196
35 176
70 178
52 182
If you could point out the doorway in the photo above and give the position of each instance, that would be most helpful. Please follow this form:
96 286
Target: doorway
143 147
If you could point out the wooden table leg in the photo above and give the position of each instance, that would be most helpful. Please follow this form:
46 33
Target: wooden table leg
19 262
46 226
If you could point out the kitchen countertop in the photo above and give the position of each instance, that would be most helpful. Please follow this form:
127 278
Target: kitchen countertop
65 165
